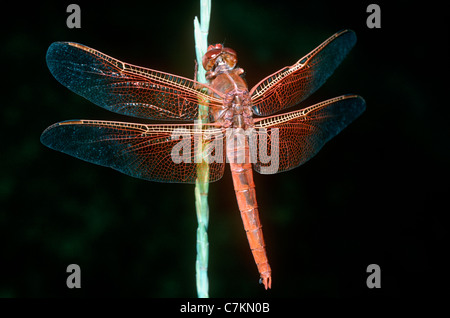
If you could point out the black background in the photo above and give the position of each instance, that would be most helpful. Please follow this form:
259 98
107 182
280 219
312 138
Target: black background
373 195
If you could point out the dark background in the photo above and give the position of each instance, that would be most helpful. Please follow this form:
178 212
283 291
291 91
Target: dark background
373 195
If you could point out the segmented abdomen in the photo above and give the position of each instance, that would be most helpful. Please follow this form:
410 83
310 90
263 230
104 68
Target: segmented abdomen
241 170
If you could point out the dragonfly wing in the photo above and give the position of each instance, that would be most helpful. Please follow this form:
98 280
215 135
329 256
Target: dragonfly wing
302 133
124 88
292 84
163 153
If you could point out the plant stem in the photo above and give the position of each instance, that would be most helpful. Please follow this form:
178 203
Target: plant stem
202 182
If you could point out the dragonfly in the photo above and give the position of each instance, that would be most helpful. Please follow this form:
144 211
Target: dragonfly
167 152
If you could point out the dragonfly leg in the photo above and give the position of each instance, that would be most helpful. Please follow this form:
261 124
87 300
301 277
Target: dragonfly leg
195 70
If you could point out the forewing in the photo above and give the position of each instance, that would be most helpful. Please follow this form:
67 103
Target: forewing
292 84
124 88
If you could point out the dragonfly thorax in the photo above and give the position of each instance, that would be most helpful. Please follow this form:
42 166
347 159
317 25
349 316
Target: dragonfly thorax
226 78
237 112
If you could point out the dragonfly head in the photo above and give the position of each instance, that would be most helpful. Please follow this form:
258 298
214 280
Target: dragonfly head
219 56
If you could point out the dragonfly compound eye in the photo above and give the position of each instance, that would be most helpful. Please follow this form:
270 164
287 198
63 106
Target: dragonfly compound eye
209 59
230 57
214 51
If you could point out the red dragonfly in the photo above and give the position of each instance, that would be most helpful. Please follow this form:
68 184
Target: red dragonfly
146 151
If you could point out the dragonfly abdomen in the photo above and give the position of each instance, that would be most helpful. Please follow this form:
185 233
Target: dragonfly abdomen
244 187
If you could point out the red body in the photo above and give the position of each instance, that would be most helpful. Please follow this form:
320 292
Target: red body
237 115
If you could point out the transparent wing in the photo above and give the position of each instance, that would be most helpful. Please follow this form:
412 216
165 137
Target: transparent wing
294 138
124 88
164 153
292 84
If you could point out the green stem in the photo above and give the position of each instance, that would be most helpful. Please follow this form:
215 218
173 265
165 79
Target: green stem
202 184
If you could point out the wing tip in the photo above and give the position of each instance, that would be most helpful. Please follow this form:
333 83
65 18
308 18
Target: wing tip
360 103
45 134
54 51
349 32
351 35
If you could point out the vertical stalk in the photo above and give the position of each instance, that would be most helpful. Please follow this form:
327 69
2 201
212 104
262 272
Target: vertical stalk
202 182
